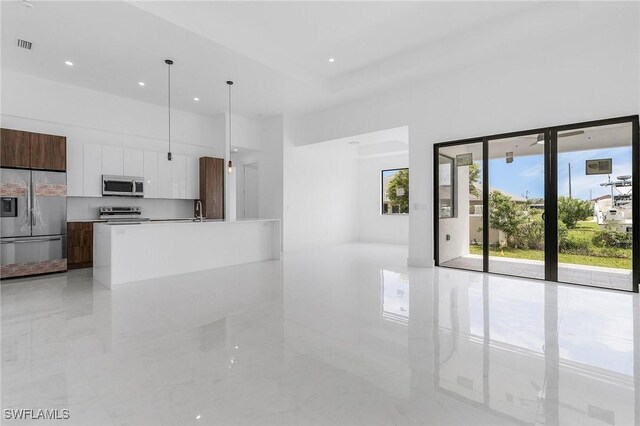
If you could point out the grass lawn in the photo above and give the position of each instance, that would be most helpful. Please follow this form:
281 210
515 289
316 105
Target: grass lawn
608 262
583 231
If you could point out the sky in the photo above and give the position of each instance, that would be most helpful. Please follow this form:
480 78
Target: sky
526 174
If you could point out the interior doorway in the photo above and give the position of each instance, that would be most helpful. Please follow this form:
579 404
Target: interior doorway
554 203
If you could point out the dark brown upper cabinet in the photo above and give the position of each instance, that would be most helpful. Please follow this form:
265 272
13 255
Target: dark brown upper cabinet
14 148
29 150
212 187
48 152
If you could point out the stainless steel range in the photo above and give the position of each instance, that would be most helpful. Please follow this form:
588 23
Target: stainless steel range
125 215
33 223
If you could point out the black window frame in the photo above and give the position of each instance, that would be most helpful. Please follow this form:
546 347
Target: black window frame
454 178
551 207
382 212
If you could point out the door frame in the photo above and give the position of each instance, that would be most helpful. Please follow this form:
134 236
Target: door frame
550 191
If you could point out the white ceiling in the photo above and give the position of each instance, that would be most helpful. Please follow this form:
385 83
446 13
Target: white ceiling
114 45
596 138
276 52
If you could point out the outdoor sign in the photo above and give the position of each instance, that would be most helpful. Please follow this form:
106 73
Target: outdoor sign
602 166
509 157
464 159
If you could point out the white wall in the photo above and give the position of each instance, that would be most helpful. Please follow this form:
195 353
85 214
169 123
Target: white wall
81 208
456 227
567 73
321 195
88 116
270 171
240 159
373 227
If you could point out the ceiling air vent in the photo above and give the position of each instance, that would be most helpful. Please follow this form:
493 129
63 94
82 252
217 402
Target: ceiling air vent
24 44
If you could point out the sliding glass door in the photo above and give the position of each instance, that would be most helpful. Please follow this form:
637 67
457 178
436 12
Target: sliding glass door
595 205
553 203
516 205
460 206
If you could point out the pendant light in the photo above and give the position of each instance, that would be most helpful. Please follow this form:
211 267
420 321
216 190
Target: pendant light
169 62
230 83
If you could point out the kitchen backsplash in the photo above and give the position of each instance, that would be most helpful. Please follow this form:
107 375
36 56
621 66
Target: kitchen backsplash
84 208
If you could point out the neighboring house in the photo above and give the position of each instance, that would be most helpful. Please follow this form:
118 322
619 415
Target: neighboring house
477 201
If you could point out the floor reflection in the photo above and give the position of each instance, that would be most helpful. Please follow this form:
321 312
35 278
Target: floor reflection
538 354
395 296
346 335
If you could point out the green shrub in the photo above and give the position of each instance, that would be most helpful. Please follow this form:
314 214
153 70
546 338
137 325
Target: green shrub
572 243
609 238
531 234
571 210
613 252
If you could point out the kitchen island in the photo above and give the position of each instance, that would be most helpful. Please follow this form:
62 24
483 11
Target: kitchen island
125 253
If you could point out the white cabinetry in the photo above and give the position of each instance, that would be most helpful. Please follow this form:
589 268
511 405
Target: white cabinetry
92 170
164 176
150 174
193 178
133 162
179 177
112 160
75 169
86 163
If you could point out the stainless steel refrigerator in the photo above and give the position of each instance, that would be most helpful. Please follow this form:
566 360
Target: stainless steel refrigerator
33 225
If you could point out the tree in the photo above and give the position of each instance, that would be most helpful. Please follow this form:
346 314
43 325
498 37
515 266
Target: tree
571 210
505 215
398 190
474 179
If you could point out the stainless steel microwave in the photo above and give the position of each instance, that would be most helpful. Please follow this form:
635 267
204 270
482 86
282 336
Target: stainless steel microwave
124 186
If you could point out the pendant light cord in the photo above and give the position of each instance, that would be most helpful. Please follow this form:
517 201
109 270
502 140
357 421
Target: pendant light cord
169 98
169 62
229 114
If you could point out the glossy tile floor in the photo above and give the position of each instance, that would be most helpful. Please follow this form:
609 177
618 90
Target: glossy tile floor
343 335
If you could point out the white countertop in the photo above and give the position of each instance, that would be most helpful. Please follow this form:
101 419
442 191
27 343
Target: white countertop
189 221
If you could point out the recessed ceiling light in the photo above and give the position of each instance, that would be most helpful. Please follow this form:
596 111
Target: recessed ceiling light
332 60
141 83
196 99
68 63
235 150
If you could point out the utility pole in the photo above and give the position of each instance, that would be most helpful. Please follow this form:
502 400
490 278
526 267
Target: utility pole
569 180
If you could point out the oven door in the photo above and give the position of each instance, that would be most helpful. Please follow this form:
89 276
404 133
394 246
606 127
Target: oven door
117 186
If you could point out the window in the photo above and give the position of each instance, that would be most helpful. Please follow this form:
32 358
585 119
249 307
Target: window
395 191
446 186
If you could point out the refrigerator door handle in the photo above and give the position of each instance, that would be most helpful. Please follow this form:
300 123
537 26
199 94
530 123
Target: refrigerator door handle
30 213
32 193
31 240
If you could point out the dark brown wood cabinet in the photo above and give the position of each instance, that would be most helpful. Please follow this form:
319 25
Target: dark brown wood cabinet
14 148
48 152
30 150
79 245
212 187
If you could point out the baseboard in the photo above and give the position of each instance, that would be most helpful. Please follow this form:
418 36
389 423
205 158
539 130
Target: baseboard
420 262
